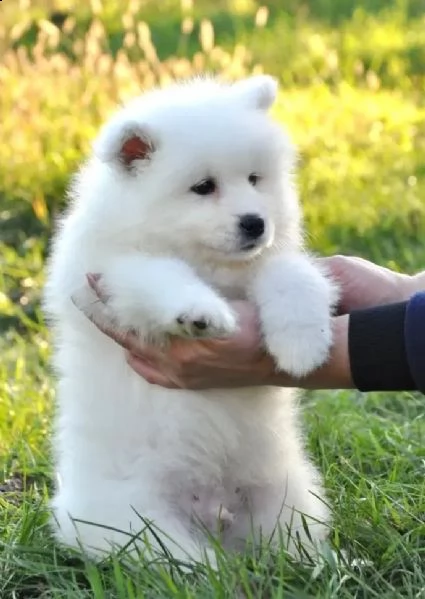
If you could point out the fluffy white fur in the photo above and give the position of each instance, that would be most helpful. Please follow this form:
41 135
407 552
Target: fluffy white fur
128 450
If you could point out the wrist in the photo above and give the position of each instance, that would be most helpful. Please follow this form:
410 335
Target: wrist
335 373
417 283
409 285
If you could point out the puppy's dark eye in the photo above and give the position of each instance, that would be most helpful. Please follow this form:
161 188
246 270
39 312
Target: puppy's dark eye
204 187
253 179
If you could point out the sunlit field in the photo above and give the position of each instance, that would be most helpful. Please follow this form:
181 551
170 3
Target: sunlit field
352 77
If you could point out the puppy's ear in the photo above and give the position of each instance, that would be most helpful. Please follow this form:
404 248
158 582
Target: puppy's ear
259 91
136 147
124 143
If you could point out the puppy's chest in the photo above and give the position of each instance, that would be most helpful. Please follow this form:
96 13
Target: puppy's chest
231 283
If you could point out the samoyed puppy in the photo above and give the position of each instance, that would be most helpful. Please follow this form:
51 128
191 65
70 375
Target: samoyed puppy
186 202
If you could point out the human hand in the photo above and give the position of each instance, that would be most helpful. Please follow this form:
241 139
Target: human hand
241 360
364 284
237 361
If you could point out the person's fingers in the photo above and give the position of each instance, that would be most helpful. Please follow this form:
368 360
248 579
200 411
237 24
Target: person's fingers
93 278
175 367
93 281
141 357
148 371
335 265
129 340
125 339
184 355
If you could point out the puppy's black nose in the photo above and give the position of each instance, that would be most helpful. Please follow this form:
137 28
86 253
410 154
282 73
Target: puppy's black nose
251 226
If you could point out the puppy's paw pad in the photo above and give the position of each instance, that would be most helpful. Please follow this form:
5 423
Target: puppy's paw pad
213 320
300 351
200 325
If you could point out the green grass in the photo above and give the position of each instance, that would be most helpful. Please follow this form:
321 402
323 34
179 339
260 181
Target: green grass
352 98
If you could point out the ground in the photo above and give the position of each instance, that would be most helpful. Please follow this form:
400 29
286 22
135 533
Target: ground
352 98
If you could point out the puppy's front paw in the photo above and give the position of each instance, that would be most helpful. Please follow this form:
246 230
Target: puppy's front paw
298 350
204 317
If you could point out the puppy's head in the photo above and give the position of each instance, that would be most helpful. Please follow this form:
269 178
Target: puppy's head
195 169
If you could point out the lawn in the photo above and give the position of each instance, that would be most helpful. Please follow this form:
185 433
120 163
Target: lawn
353 83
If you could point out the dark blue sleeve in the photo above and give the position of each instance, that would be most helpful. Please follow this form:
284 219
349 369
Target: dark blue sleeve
377 349
414 335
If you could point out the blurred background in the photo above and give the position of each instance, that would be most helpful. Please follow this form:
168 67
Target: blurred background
352 75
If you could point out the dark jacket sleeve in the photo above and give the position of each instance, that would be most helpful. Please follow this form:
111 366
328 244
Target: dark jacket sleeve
387 346
414 331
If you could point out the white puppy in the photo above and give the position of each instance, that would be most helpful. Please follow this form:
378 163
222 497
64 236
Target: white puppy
187 202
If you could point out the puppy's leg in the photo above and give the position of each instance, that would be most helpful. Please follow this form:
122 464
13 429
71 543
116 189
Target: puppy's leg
156 296
295 515
104 525
291 515
295 301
